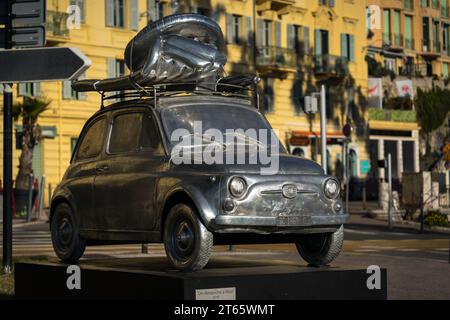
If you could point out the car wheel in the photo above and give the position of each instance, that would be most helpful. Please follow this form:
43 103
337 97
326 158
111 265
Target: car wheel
68 245
322 248
187 242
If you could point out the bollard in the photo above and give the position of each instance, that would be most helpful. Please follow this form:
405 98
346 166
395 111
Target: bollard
49 194
41 197
364 197
30 197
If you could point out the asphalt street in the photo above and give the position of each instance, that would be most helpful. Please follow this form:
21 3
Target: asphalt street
417 264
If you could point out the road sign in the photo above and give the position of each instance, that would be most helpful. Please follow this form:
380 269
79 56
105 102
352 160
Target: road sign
41 64
25 37
24 13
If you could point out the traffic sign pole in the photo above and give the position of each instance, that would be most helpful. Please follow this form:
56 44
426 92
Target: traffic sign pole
7 157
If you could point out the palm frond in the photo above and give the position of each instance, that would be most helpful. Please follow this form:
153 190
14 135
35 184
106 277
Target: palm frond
30 108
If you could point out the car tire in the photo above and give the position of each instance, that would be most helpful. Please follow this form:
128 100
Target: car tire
66 240
187 242
322 248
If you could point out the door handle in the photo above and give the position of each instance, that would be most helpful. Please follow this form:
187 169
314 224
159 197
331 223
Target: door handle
102 169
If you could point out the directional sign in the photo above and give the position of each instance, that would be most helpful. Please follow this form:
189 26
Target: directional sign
25 13
25 37
42 64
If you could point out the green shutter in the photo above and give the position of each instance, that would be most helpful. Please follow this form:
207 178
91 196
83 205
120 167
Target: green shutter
134 15
259 32
109 13
230 33
67 90
352 48
22 89
306 39
344 45
278 34
111 65
248 30
151 9
291 36
37 89
318 43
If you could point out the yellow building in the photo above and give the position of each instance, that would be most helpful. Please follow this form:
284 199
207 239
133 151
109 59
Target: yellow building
300 45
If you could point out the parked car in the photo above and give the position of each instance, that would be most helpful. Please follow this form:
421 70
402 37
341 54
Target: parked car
123 187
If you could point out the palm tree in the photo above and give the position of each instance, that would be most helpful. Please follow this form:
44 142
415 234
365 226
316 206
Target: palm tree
29 110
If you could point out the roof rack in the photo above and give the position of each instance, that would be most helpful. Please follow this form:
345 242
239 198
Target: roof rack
247 90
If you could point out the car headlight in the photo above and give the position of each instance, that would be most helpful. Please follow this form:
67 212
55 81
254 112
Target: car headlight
332 188
237 187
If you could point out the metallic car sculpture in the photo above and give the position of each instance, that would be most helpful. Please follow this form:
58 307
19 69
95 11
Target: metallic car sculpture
124 186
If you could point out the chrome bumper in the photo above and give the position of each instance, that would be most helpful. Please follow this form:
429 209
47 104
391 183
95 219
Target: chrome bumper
283 221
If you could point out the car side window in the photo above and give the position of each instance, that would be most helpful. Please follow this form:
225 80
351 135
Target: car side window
149 139
125 133
92 142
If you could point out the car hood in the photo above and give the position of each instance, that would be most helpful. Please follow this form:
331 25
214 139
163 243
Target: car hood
281 164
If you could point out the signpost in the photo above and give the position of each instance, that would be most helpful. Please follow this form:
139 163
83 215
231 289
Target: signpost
42 64
23 21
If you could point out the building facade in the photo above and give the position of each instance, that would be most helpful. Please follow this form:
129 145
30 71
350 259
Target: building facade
300 45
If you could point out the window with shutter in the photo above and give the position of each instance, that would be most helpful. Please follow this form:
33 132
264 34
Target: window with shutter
115 13
248 30
151 10
134 15
278 34
291 36
306 40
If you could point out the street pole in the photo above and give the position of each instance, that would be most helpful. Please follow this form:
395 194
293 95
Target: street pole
323 128
347 180
389 191
254 37
7 157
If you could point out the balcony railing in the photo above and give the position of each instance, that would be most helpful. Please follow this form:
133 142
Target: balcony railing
328 64
387 38
414 70
56 24
410 44
392 115
398 40
276 57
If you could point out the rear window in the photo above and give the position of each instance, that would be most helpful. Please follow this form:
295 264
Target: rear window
92 142
125 133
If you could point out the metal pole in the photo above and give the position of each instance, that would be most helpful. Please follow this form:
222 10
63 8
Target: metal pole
254 37
347 180
7 156
41 197
30 197
49 194
323 128
421 213
389 191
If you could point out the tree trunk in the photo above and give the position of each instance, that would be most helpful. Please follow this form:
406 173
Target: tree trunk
26 158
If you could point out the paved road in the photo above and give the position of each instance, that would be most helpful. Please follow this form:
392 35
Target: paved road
418 264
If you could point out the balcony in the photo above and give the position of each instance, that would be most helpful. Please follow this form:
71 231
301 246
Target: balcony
376 114
398 40
410 44
56 25
417 70
331 65
275 58
280 6
387 38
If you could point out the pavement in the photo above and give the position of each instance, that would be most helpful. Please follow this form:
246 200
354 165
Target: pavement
418 264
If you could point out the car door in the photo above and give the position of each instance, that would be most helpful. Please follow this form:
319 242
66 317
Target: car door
83 170
125 184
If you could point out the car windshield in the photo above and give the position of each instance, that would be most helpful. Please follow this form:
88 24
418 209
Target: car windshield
237 124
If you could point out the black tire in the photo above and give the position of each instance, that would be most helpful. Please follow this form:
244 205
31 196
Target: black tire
68 245
322 248
187 242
